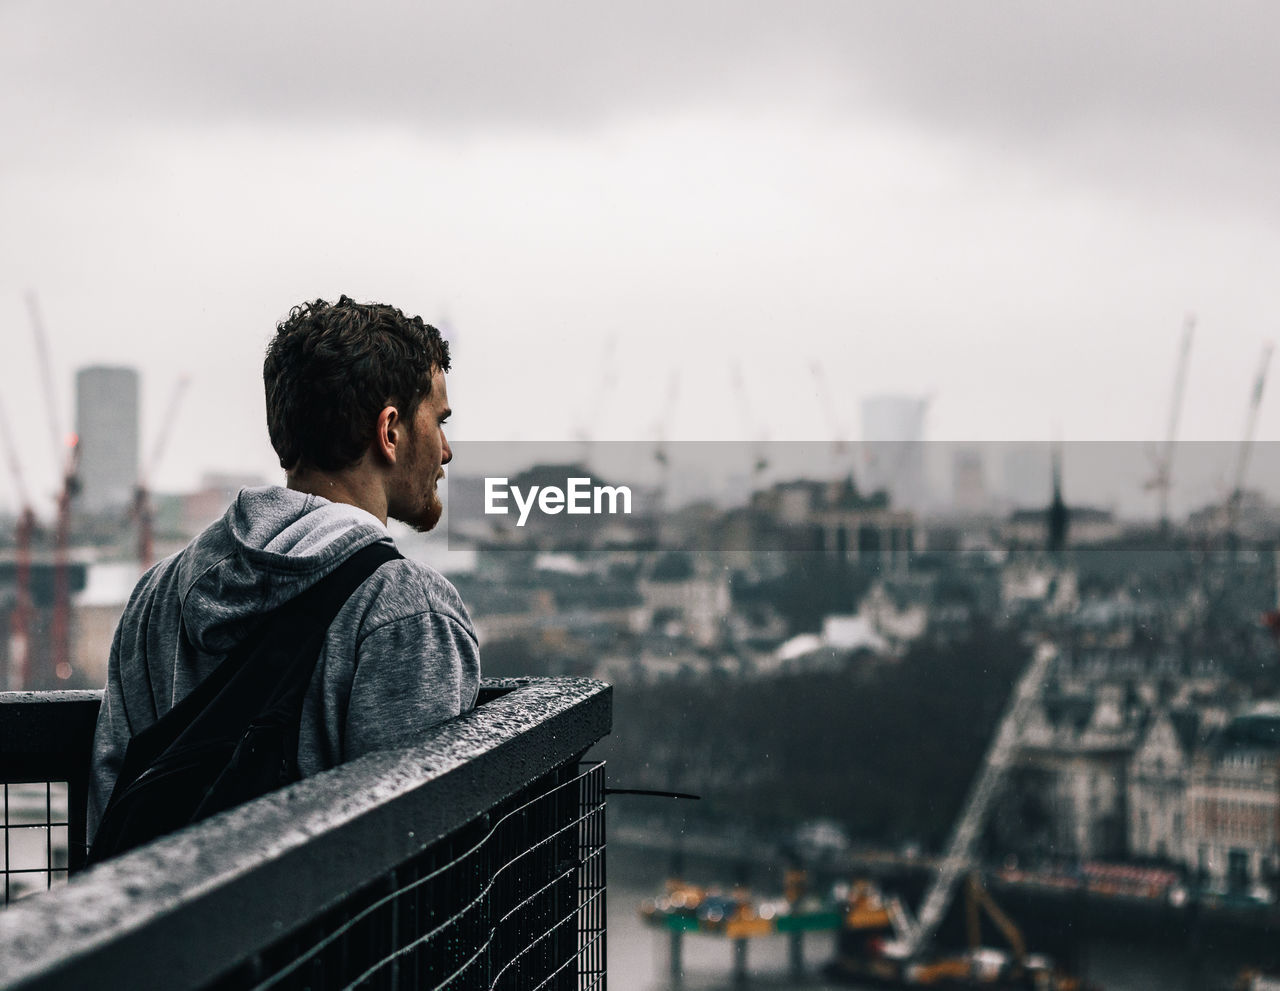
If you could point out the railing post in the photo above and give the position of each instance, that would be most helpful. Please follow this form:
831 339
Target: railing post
739 962
795 953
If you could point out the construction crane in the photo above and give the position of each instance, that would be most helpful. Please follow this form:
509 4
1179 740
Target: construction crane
1246 444
60 625
661 455
1163 478
46 372
66 447
20 618
914 935
143 510
978 899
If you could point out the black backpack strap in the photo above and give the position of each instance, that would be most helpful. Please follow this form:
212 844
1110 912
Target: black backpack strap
316 608
265 675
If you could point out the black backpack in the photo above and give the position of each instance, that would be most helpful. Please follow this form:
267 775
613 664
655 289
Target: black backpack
235 736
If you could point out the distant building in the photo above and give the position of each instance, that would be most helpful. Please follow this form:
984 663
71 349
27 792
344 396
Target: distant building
107 425
969 482
1135 756
1028 583
1233 796
1158 775
896 622
833 517
1069 781
1032 528
691 599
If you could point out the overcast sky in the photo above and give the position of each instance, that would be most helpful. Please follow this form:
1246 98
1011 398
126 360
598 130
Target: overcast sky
1009 207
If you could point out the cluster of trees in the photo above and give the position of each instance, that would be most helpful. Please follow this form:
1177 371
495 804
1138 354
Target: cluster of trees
889 749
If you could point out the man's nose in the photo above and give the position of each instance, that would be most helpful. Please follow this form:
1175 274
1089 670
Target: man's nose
446 452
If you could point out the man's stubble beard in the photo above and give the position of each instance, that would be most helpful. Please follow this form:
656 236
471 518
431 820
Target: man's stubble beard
430 516
422 514
424 517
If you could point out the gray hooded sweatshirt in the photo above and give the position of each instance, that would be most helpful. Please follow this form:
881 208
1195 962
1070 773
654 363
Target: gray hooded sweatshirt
400 656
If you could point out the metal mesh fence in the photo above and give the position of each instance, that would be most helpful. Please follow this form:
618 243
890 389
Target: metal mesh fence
35 837
511 897
514 900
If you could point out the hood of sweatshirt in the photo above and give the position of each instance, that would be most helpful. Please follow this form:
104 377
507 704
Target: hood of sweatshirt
271 545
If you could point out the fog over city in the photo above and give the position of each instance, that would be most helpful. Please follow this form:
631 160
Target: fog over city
617 211
863 422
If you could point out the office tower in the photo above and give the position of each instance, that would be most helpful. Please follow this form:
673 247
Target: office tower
969 481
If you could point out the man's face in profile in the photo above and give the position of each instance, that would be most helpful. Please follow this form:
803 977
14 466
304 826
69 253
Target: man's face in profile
416 498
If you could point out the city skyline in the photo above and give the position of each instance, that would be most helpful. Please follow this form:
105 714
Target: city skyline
649 221
893 453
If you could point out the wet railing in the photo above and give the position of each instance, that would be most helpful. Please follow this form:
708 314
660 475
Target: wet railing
475 859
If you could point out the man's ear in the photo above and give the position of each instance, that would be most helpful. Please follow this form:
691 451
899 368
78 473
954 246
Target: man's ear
390 434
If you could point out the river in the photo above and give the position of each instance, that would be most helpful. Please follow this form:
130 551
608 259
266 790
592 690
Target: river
638 956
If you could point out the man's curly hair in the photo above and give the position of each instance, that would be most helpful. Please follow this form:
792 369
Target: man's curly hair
330 370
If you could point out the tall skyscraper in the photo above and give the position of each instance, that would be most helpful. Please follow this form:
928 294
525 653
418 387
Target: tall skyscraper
969 481
893 449
107 424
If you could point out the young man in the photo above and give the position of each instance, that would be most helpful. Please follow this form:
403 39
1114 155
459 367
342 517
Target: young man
356 406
